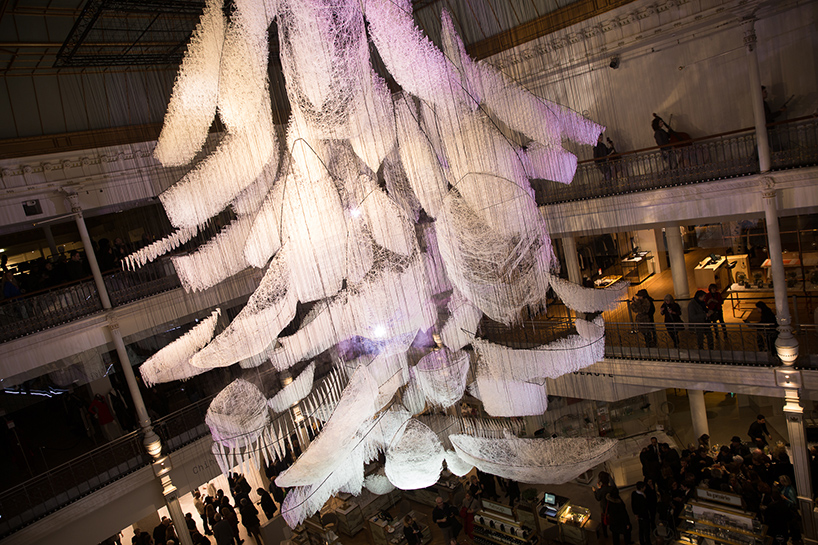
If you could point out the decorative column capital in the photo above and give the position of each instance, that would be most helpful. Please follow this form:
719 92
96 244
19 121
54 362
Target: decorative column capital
74 201
750 38
767 187
113 323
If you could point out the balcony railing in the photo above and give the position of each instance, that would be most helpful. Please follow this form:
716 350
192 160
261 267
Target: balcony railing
736 344
28 314
731 344
51 307
793 144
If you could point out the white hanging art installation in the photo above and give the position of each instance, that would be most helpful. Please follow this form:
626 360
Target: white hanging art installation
311 209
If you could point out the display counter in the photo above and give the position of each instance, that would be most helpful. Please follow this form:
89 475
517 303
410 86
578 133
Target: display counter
354 510
717 517
386 531
560 520
606 281
712 271
496 524
636 268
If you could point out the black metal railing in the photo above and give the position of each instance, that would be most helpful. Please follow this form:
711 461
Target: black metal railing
62 485
793 144
48 308
150 279
24 315
733 344
66 483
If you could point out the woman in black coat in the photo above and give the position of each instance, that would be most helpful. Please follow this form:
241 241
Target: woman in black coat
267 503
618 519
603 487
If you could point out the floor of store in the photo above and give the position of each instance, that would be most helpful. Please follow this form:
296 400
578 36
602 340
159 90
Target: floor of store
728 415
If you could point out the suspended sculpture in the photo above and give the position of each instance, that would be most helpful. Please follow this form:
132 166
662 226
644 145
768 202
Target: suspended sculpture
461 142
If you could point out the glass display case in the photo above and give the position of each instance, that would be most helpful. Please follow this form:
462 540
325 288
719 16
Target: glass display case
711 518
575 515
637 267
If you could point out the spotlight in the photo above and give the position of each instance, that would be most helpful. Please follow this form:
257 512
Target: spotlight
614 63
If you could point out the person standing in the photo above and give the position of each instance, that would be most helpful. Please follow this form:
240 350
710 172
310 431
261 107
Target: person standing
222 531
758 430
618 518
102 413
603 487
468 508
714 300
767 325
673 318
444 516
249 518
662 138
639 508
643 307
200 508
699 317
601 153
412 531
267 503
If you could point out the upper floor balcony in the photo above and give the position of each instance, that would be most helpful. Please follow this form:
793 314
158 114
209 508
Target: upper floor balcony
793 144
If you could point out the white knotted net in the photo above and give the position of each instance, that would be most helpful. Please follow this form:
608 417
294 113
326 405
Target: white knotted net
552 360
293 392
588 299
504 397
378 483
217 260
270 308
415 458
173 361
592 330
337 439
193 101
499 275
462 324
442 376
535 461
392 301
456 465
238 415
462 142
245 107
160 247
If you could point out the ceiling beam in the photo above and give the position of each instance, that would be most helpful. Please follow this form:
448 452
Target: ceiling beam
542 26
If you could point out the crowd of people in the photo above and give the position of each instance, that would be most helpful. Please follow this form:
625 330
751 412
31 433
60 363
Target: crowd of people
219 517
65 267
704 313
763 478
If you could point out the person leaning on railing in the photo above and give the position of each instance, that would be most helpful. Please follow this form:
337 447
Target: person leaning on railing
698 316
673 318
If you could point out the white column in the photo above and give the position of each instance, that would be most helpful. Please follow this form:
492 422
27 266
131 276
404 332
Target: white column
794 413
755 96
161 464
786 344
151 441
698 413
569 248
89 250
676 256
